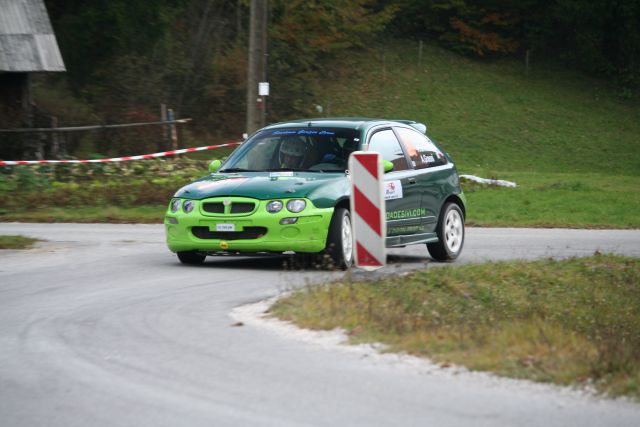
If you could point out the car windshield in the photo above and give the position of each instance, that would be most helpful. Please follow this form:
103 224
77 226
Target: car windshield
295 149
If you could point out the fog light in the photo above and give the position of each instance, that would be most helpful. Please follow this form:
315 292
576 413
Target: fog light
288 221
172 220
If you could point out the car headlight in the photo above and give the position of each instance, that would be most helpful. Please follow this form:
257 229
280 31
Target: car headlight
187 206
296 205
175 205
274 207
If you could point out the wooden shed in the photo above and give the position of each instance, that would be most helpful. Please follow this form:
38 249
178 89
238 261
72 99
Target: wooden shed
27 45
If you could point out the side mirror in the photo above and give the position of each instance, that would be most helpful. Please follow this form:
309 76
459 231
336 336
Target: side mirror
387 166
214 166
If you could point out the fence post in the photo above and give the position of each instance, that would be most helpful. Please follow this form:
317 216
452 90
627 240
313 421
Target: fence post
174 132
165 128
55 144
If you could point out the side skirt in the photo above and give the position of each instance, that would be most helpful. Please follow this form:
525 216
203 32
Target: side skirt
411 239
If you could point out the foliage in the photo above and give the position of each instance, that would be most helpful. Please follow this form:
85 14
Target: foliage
307 40
601 36
482 42
94 34
569 322
128 57
125 58
127 185
40 177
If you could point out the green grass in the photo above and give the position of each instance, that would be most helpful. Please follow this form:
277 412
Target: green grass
16 242
569 142
567 322
490 115
110 214
556 200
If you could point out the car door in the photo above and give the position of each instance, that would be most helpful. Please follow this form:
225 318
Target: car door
402 195
432 174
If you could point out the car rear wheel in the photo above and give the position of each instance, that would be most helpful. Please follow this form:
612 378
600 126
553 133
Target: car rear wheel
450 231
191 257
340 239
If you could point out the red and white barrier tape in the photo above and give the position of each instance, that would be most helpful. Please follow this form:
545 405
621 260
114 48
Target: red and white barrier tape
116 159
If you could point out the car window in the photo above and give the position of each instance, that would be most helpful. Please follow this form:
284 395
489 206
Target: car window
423 152
386 143
259 157
312 149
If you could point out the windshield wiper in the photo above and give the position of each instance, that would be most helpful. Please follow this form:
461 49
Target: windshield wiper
286 170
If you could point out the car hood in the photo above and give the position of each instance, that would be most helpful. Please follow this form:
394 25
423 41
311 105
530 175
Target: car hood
320 188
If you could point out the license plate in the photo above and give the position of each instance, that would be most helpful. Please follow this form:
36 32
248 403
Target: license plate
225 227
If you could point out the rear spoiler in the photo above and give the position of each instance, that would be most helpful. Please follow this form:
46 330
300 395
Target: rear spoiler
419 126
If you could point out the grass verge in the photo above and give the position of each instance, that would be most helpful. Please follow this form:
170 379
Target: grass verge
16 242
108 214
540 200
555 200
568 322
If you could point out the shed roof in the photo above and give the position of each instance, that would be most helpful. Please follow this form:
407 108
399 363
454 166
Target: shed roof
27 41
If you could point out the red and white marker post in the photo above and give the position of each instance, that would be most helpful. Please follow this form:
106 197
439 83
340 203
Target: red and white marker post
368 209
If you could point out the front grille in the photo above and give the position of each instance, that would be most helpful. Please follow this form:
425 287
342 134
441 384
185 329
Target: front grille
213 207
235 208
247 233
242 207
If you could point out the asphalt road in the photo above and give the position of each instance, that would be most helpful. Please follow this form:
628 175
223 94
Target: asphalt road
101 326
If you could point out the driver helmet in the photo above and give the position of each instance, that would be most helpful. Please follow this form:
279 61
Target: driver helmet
292 153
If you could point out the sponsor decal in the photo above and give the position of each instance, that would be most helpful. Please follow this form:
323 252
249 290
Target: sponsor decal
393 190
427 158
403 230
303 132
407 213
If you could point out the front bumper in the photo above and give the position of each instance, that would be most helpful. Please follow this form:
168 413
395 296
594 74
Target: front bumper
255 231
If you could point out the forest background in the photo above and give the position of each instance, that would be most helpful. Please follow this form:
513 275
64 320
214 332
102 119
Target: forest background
126 57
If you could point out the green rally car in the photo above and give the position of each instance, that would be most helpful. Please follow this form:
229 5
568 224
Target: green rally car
287 188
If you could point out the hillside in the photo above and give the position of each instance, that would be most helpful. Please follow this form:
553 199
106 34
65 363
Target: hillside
491 116
568 141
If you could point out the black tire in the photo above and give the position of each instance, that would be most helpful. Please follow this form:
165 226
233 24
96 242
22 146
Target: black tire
191 257
338 252
450 232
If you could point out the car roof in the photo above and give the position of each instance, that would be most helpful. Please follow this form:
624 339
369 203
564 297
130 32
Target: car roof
340 122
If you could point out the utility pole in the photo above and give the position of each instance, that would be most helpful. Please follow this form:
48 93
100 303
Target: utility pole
256 104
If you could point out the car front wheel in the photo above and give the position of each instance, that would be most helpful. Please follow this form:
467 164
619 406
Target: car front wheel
191 257
450 232
340 239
